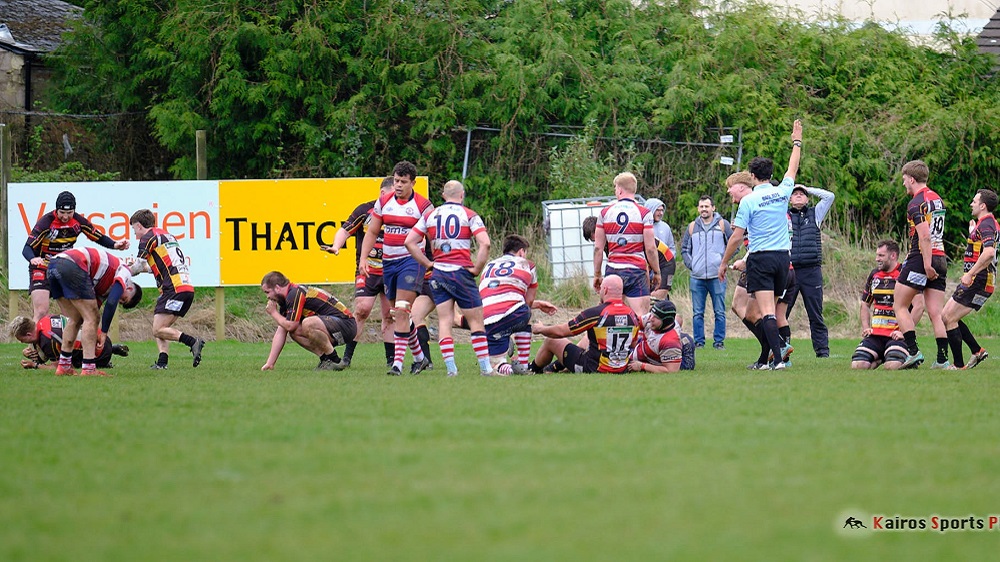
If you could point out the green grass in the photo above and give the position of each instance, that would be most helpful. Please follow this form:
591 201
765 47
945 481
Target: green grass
228 463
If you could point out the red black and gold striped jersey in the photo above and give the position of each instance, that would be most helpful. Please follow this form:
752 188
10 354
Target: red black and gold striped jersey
878 293
357 226
612 331
303 302
163 254
985 235
926 206
51 236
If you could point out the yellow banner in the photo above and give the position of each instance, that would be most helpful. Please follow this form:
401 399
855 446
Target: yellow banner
269 225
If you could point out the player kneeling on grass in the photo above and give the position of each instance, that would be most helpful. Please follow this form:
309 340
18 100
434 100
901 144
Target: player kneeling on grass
660 349
612 333
82 279
45 343
314 318
160 255
881 339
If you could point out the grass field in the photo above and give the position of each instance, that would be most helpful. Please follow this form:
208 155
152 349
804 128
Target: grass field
228 463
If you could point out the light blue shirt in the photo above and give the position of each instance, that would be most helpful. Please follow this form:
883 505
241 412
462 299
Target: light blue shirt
764 215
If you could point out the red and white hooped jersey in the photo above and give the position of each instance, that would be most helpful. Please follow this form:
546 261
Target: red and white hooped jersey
503 285
450 229
398 217
104 269
624 223
658 348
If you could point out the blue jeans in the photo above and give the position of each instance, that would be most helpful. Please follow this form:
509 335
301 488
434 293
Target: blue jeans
699 289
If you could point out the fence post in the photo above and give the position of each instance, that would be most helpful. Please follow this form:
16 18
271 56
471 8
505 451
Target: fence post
5 149
201 164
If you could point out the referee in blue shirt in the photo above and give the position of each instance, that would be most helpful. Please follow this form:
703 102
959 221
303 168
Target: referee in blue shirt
763 215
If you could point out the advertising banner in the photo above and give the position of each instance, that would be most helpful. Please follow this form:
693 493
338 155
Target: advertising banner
187 209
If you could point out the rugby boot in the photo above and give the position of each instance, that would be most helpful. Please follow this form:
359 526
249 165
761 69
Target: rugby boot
977 358
913 360
419 366
199 344
119 349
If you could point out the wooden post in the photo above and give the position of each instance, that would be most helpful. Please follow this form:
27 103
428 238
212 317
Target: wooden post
12 304
5 148
201 164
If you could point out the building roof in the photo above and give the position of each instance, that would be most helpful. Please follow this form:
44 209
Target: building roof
36 25
989 38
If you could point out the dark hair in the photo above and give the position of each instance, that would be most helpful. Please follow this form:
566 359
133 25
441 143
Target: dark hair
988 197
135 300
708 198
274 279
514 243
761 168
589 226
144 217
889 245
405 168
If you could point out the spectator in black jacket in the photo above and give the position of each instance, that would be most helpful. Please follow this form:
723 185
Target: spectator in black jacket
807 259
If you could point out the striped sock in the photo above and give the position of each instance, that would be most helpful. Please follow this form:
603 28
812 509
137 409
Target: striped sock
482 349
523 342
400 348
414 341
505 369
447 349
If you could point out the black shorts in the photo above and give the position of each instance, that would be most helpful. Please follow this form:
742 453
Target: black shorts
341 330
667 271
370 286
767 271
974 296
577 360
913 275
173 303
880 348
424 290
37 279
69 281
791 291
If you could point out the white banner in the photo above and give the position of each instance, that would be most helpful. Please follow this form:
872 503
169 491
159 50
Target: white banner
187 209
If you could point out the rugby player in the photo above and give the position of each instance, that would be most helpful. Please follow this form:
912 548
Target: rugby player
626 228
366 288
314 318
450 229
925 268
53 233
660 348
882 342
977 282
45 340
160 254
395 214
81 279
612 333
